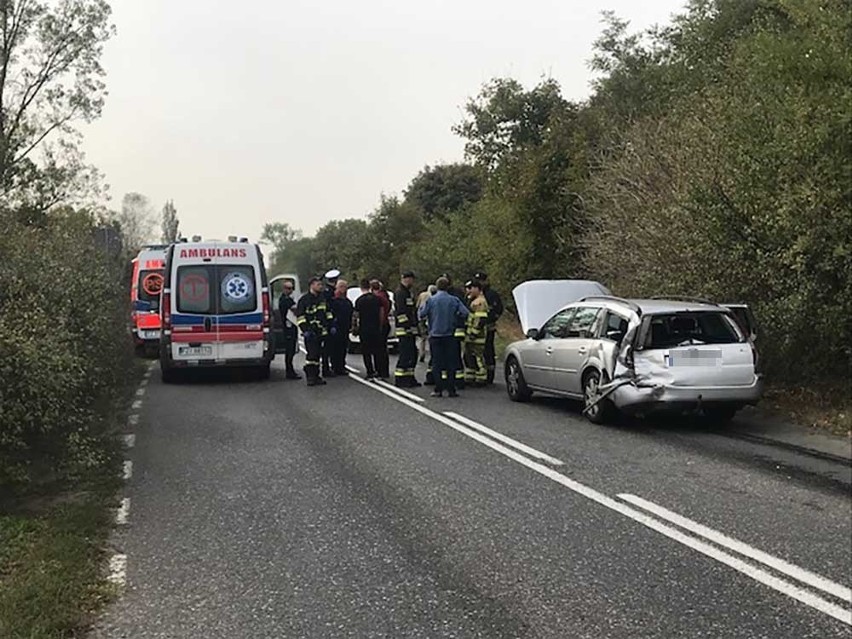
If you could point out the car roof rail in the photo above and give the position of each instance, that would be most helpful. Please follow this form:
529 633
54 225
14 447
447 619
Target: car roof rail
612 298
685 298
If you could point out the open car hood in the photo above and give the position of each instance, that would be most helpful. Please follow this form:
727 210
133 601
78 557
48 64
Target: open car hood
538 300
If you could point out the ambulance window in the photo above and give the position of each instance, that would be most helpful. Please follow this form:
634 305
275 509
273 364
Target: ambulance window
149 285
193 289
237 290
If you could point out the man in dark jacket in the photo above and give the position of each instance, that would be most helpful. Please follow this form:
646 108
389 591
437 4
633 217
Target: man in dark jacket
367 325
405 314
331 278
342 310
314 319
495 310
291 332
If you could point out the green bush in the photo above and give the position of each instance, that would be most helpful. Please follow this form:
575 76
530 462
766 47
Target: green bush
64 349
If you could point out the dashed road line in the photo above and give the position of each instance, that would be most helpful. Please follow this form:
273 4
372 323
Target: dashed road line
129 440
137 404
123 513
128 469
140 392
118 570
133 419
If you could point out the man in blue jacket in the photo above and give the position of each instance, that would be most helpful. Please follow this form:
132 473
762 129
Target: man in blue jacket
442 311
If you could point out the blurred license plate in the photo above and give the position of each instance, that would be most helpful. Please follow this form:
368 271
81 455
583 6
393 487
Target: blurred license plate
149 334
694 358
199 351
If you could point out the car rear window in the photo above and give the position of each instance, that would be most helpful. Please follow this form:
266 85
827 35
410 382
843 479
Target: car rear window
221 289
149 285
693 328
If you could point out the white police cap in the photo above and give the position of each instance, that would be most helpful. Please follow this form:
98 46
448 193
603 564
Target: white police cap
333 274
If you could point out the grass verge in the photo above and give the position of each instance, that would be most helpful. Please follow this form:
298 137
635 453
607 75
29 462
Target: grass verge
54 547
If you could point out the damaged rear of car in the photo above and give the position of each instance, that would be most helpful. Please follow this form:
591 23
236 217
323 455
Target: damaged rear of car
636 356
684 356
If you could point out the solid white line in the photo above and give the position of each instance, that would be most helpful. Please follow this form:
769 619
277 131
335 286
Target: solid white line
532 452
123 512
136 405
118 570
399 391
133 419
129 441
128 469
352 369
791 590
791 570
140 392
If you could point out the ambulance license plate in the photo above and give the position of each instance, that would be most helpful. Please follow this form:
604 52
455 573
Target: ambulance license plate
196 351
149 334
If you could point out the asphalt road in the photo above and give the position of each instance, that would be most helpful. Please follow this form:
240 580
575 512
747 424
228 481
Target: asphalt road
269 509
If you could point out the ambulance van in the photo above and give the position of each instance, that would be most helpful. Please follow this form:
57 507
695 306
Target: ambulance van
215 308
145 285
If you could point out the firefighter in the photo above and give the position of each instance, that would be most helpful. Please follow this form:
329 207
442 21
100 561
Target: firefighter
495 310
476 330
315 321
291 332
405 314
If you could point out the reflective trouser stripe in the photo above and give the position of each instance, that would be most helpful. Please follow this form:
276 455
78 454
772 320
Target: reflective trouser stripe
399 372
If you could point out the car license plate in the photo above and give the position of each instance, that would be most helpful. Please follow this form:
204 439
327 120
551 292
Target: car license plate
149 334
196 351
694 357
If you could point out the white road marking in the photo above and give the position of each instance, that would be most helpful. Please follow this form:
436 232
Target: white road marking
399 391
353 369
133 419
118 570
532 452
799 574
128 469
140 392
129 441
123 512
143 383
776 583
136 405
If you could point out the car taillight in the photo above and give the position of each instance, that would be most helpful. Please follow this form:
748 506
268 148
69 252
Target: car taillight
756 356
166 310
265 296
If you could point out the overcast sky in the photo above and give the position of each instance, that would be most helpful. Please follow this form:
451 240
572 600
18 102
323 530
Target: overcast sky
304 111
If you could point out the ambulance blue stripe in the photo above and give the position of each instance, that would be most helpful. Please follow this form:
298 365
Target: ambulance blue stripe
198 320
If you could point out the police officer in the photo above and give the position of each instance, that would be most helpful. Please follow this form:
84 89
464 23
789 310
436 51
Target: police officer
495 310
314 319
477 327
405 314
291 333
328 344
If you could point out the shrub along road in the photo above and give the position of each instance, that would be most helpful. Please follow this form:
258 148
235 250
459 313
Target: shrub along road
265 509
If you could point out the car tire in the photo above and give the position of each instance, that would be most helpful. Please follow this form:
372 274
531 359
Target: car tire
516 385
719 415
604 410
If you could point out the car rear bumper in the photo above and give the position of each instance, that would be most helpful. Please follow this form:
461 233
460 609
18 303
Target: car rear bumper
632 398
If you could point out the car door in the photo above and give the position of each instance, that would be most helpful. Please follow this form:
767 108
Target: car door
195 330
570 351
538 353
276 285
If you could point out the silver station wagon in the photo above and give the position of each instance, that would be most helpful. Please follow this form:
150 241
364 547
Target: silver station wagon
635 356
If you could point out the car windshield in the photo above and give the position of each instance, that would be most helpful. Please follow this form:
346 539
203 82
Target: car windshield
690 328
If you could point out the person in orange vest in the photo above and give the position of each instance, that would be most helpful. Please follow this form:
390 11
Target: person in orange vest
475 369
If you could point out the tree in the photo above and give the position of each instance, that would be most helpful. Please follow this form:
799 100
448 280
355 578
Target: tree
280 235
136 221
444 189
170 224
50 77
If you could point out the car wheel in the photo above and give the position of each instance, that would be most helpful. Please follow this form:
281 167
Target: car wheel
719 415
602 411
516 385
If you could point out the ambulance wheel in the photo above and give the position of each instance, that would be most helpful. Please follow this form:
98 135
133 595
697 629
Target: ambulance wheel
265 372
169 375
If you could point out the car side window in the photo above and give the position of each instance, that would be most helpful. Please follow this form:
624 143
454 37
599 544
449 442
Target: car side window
614 327
581 323
557 325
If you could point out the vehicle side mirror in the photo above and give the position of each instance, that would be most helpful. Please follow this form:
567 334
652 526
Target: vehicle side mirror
533 333
615 336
